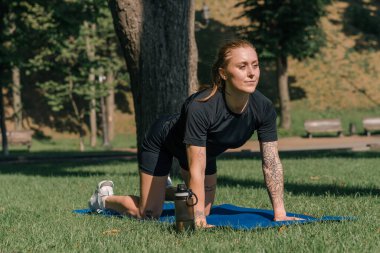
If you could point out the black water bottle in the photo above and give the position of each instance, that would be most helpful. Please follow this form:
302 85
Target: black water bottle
184 201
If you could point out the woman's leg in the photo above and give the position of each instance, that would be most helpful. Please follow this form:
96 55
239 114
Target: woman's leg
210 189
148 205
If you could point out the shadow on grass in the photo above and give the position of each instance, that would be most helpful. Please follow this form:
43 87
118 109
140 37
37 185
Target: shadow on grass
64 164
303 189
71 164
304 154
67 169
62 156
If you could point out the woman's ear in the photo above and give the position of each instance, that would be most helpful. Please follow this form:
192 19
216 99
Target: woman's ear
222 74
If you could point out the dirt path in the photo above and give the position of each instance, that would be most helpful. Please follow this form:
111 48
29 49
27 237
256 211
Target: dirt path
355 143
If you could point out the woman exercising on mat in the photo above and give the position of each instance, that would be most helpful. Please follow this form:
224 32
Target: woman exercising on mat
211 121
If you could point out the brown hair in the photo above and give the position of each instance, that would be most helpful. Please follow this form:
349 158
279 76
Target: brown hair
220 62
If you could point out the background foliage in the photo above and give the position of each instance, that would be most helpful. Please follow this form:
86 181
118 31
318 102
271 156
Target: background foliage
50 52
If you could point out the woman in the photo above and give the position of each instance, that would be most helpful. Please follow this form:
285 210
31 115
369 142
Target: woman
211 121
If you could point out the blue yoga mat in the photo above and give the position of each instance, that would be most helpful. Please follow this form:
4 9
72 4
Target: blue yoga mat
236 217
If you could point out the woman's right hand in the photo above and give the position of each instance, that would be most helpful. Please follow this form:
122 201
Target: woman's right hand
197 167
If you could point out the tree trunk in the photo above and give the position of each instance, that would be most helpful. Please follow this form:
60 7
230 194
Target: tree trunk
4 140
154 36
110 105
193 55
81 144
106 142
16 93
78 115
93 123
282 75
90 50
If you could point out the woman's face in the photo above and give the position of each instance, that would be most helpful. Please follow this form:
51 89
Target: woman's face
242 71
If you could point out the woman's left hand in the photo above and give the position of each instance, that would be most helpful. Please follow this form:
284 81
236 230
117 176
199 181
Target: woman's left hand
286 218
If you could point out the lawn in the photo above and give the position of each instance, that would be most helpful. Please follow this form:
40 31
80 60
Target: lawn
37 200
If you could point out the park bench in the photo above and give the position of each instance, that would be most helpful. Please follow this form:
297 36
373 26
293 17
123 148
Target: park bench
20 137
323 126
371 124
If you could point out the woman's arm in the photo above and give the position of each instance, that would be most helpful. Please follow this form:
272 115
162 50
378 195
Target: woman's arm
274 178
197 166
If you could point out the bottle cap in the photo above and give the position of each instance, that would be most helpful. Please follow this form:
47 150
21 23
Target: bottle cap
181 188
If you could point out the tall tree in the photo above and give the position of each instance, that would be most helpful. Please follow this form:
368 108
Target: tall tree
110 105
281 29
83 49
157 39
72 87
110 58
4 140
24 23
16 60
90 35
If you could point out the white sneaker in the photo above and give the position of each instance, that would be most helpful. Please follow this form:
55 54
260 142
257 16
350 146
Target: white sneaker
104 188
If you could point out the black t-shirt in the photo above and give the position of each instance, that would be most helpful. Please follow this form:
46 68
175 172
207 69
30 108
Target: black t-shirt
212 125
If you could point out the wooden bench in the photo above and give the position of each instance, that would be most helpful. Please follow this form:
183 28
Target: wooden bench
20 137
371 124
323 126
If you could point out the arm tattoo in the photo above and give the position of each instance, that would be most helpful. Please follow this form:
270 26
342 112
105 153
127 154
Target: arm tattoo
273 172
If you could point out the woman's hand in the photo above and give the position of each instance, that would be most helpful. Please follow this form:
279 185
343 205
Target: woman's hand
197 166
286 218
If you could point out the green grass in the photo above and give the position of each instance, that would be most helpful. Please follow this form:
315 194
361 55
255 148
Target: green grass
70 147
72 144
37 200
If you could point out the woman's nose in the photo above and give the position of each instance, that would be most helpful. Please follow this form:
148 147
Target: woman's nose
250 72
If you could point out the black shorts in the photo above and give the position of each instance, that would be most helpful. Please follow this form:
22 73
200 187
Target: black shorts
157 151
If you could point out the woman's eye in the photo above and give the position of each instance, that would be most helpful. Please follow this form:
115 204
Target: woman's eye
242 67
255 66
